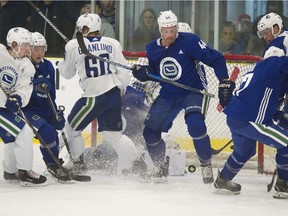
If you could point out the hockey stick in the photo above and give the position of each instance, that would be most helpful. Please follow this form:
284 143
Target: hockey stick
270 185
48 21
233 77
85 51
57 119
43 143
215 152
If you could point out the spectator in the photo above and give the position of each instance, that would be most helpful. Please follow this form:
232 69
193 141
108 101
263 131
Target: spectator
256 46
12 14
106 29
147 30
60 18
108 11
244 31
228 43
277 7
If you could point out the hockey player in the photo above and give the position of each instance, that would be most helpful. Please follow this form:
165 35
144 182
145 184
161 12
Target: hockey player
249 117
176 56
270 28
39 111
102 84
16 87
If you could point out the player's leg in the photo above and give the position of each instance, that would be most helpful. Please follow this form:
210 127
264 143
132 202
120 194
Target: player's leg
161 115
47 133
276 137
196 106
80 116
50 137
20 153
110 125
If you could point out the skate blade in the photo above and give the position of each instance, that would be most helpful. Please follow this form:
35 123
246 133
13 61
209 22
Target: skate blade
280 195
225 191
30 184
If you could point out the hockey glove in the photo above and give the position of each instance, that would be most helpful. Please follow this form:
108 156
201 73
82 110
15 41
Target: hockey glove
13 103
141 72
225 90
42 85
60 121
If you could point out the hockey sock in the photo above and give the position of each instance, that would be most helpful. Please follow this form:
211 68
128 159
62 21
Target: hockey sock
197 130
281 160
50 137
233 165
155 145
46 155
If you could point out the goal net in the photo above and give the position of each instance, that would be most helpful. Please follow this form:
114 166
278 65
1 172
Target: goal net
216 121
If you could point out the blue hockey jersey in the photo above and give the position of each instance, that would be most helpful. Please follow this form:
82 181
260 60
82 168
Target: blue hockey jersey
39 102
257 99
180 62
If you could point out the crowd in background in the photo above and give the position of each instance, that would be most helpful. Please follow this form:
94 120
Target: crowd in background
236 37
63 14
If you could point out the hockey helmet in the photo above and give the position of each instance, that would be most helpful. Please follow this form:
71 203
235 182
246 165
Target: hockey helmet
167 19
184 27
38 39
92 21
267 22
19 35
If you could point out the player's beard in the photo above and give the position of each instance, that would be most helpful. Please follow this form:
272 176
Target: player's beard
167 41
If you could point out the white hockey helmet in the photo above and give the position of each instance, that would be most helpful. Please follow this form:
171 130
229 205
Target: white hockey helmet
92 21
19 35
267 22
167 19
184 27
38 39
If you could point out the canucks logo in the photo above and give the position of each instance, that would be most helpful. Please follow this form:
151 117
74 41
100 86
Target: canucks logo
170 69
8 77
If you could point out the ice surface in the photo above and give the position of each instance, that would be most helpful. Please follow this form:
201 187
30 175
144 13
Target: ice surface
114 196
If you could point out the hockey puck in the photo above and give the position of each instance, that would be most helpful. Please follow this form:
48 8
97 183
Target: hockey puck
191 168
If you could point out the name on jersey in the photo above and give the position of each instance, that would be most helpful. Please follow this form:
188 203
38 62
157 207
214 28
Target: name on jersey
97 47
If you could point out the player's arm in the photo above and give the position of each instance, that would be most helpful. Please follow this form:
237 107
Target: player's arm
208 56
122 74
66 67
24 85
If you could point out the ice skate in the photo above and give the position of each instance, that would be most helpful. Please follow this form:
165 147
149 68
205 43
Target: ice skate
207 173
281 188
11 177
139 170
79 166
60 173
226 187
31 179
160 174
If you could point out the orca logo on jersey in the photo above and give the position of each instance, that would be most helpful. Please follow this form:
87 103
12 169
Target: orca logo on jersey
170 69
8 77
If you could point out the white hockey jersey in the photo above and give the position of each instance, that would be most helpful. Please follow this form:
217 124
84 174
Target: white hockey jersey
16 77
95 77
